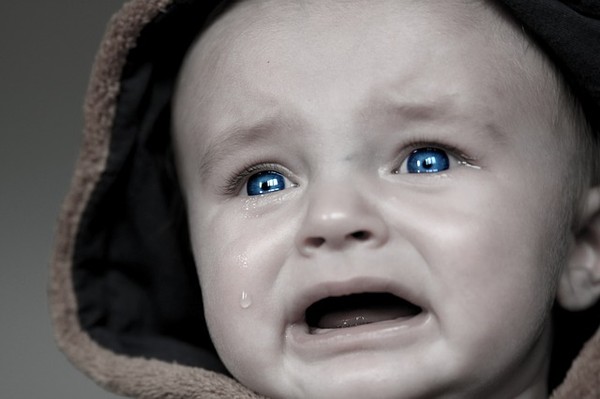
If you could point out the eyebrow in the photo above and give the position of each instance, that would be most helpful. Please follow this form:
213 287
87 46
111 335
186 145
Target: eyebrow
237 137
434 110
409 109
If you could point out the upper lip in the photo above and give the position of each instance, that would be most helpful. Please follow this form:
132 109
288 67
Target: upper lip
354 285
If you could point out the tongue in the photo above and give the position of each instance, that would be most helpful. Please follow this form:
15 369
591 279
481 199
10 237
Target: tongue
358 309
357 317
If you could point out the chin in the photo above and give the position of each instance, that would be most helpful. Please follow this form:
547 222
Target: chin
363 374
335 385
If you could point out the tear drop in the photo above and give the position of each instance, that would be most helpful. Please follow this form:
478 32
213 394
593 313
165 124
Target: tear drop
242 260
245 300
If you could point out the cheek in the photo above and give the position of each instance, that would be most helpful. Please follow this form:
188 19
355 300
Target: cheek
239 258
496 231
491 263
511 243
235 250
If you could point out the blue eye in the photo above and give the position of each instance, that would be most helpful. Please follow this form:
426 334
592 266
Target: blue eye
427 160
265 182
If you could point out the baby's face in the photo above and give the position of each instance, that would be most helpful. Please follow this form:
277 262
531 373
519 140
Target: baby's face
394 163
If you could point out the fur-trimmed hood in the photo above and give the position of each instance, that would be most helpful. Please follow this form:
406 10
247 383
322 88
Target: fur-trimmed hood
125 299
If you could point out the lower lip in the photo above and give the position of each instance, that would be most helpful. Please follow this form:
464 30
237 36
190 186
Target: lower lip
401 332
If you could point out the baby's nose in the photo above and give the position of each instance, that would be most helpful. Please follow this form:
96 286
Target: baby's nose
340 218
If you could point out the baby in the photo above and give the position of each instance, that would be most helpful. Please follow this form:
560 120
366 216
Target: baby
384 199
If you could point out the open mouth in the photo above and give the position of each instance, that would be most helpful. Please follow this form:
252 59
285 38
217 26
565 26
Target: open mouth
357 309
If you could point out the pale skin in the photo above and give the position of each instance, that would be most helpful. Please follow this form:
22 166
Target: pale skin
334 97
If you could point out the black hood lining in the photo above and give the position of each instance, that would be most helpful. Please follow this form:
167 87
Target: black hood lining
569 33
134 275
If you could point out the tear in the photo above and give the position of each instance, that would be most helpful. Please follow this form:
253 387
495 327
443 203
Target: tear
245 300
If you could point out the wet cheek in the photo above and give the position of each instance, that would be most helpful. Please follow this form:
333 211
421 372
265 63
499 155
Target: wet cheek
239 261
237 267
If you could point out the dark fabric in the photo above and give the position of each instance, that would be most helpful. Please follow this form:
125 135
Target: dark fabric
134 274
571 331
569 31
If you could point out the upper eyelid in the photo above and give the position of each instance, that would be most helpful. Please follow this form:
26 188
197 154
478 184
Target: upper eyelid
233 184
451 149
406 149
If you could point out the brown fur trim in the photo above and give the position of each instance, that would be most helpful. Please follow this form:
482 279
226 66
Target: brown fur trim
136 377
583 379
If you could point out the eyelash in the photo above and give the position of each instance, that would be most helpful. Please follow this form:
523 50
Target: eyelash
233 185
460 155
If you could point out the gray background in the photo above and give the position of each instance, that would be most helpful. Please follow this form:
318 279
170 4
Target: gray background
47 48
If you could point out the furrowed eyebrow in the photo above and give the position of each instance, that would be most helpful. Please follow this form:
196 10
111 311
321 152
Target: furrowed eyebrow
406 107
234 139
239 136
435 110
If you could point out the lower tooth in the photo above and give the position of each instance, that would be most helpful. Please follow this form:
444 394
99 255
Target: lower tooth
356 321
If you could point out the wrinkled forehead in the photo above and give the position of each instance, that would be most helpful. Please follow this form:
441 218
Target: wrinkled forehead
278 44
250 28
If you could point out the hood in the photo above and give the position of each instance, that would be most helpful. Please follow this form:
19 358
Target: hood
124 293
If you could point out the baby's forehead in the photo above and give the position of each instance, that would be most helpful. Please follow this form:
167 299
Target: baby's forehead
252 32
304 45
251 18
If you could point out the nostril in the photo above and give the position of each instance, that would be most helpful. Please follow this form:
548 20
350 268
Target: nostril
315 242
361 235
